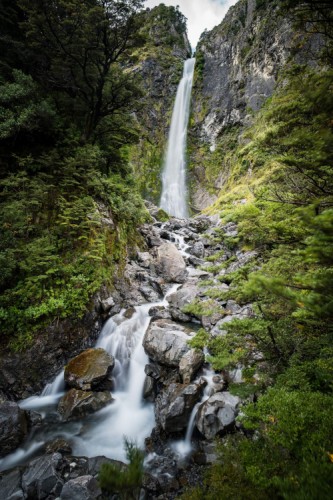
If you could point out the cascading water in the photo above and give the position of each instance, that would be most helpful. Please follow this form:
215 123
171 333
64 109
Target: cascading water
103 432
173 198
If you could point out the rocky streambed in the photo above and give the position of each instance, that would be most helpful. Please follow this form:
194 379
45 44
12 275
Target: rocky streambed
142 379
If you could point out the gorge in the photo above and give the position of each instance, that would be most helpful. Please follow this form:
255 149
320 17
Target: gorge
148 352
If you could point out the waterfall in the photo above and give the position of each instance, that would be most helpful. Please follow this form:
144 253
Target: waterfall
174 198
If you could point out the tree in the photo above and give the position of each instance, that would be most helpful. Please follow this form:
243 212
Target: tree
78 49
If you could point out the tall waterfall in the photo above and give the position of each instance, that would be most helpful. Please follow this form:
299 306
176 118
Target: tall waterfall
174 198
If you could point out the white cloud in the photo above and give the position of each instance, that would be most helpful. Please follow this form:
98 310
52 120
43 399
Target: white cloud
201 14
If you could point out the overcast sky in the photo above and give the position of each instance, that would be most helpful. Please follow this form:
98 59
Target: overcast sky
201 14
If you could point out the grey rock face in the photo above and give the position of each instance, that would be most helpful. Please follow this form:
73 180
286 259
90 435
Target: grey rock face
166 342
81 488
190 364
170 263
182 297
10 488
42 478
88 369
13 427
174 404
217 413
77 404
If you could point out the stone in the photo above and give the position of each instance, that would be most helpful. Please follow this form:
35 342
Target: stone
190 364
179 299
10 485
13 427
42 477
59 445
149 388
173 406
198 249
77 404
107 304
166 342
81 488
159 312
170 263
144 259
217 414
88 369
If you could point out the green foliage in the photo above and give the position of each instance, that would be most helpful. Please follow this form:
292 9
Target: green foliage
279 192
124 481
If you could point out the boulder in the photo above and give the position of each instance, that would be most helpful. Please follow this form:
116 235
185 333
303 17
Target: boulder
59 445
166 342
81 488
198 249
77 404
107 304
159 312
42 478
170 263
88 369
13 427
173 406
190 364
10 485
217 413
182 297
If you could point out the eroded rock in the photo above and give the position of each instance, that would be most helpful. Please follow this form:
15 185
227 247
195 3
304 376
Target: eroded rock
77 404
217 413
166 342
173 406
170 263
81 488
13 427
190 364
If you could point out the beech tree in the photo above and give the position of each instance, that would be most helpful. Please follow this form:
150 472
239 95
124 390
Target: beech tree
78 47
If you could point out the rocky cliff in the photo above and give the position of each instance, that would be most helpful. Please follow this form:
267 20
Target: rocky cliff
238 67
159 65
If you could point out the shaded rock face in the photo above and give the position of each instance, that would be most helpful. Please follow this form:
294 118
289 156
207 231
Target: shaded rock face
166 342
174 405
81 488
190 364
43 477
170 263
13 427
77 404
88 369
217 413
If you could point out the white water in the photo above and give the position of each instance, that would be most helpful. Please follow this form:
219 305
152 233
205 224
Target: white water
174 198
128 415
185 447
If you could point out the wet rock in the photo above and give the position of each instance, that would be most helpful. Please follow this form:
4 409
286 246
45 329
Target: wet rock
173 406
81 488
88 369
181 298
13 427
170 263
144 259
159 312
42 477
59 445
77 404
166 342
107 304
190 364
162 374
198 249
217 413
10 485
35 419
149 388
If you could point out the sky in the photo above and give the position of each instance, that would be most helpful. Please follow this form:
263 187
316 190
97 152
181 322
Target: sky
201 14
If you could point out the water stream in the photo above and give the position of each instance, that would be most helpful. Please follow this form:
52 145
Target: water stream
174 196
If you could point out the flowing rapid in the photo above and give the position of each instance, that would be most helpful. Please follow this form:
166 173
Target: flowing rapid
128 416
174 196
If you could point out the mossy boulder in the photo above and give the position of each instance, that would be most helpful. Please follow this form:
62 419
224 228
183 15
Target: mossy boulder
89 370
